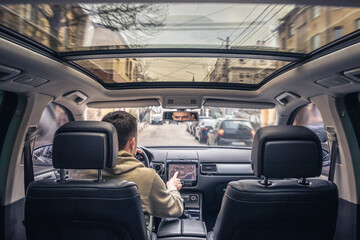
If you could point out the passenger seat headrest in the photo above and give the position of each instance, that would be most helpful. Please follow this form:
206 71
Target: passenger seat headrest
85 145
286 152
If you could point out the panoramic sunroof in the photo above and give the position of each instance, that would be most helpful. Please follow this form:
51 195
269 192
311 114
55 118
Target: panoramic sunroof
268 27
222 70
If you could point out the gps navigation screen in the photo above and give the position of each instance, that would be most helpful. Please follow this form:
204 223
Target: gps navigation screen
186 171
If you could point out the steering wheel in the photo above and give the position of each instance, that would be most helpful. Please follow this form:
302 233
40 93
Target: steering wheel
142 157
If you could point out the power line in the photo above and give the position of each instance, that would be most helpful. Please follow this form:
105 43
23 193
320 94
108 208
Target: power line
182 68
210 14
239 41
263 25
244 20
250 24
273 22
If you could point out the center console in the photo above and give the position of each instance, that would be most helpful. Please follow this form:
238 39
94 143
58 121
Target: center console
192 205
190 225
187 171
183 229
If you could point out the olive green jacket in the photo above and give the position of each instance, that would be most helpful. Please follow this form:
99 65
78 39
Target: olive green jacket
156 199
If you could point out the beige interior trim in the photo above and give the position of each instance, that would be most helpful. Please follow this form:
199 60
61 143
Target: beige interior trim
347 174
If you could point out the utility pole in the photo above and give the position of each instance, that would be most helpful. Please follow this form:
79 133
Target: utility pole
193 79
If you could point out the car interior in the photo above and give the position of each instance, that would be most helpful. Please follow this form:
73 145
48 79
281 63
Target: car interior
256 105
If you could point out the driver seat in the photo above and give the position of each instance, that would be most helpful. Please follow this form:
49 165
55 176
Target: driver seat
82 209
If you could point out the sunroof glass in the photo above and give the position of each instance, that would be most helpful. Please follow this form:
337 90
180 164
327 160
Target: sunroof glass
222 70
273 27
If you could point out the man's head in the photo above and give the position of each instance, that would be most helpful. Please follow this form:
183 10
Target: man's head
126 127
182 116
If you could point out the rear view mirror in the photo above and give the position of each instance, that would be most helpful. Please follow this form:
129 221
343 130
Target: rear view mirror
181 116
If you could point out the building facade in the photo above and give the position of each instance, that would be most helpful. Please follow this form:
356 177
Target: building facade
305 29
246 71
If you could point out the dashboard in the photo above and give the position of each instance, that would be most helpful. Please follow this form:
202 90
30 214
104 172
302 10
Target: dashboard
203 171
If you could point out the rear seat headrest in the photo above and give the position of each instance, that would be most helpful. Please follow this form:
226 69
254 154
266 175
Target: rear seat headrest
85 145
286 152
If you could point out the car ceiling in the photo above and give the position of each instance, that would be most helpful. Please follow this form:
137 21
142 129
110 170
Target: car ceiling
63 78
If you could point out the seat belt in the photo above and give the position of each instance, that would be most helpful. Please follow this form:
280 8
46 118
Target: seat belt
334 150
27 155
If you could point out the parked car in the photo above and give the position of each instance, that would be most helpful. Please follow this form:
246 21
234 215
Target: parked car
195 124
231 132
201 131
157 119
188 125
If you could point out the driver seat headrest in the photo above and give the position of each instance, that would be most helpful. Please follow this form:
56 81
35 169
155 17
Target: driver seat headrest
85 145
286 152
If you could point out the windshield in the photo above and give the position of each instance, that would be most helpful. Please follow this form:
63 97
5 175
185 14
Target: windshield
217 126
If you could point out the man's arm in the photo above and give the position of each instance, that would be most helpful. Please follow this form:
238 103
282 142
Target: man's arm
164 202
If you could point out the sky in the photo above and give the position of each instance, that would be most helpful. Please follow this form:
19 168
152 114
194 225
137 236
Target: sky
210 24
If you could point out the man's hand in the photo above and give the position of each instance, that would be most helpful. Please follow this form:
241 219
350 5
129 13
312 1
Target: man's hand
174 183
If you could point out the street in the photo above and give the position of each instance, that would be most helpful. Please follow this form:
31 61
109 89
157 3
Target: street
167 135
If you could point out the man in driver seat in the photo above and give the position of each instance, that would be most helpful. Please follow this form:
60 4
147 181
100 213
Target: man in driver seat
157 199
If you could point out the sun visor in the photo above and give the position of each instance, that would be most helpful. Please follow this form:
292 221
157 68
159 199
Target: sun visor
125 103
237 104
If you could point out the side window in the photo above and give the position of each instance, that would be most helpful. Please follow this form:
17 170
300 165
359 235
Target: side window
309 116
53 117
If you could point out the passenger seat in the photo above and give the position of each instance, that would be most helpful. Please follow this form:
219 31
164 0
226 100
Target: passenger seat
292 208
80 209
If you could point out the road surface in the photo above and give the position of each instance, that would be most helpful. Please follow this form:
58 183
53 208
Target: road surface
167 135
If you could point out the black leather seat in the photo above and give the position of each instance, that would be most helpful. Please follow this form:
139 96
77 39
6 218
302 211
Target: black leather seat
280 209
79 209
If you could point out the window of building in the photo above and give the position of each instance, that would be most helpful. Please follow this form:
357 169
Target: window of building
241 60
241 75
248 75
338 32
130 69
53 117
309 116
315 12
291 29
358 24
284 43
315 42
127 67
31 12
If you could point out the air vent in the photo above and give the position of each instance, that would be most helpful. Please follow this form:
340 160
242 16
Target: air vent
6 73
208 168
353 74
159 168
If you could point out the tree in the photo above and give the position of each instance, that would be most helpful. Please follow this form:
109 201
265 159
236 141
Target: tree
131 20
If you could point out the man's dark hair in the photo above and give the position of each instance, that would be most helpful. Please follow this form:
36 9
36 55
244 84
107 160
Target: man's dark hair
125 124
